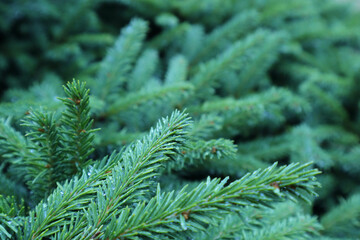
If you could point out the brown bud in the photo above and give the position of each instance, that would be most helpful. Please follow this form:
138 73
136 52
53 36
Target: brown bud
213 150
186 214
275 185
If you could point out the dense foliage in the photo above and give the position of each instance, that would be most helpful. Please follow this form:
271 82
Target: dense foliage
201 120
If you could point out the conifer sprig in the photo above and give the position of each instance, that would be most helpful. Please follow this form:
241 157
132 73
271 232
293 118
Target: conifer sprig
198 153
272 108
145 95
230 59
343 220
167 214
11 216
77 133
281 222
15 151
13 145
143 70
45 169
228 32
123 179
298 227
119 60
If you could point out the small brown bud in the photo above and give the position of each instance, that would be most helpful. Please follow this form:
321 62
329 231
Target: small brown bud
275 185
213 150
186 214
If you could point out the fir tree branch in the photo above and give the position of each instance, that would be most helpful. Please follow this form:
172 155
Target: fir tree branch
209 71
177 70
230 226
259 62
118 62
270 109
143 70
130 171
193 40
207 126
14 149
11 216
278 10
298 227
199 153
283 221
146 95
12 144
77 135
166 214
343 220
234 166
165 38
44 169
230 31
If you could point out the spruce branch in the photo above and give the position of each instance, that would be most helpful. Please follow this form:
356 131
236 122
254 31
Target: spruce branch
206 126
13 145
300 144
270 108
231 58
124 177
278 10
166 214
11 216
177 70
232 225
234 165
230 31
45 168
167 37
199 153
259 62
284 220
212 149
192 41
77 133
146 95
329 106
297 227
14 150
143 70
118 62
343 220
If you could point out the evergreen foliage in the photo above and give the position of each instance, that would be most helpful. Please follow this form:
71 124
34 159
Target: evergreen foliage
200 120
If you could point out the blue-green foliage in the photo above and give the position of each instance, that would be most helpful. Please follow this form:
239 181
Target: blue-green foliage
266 83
